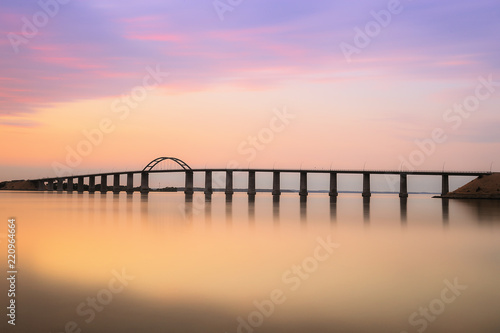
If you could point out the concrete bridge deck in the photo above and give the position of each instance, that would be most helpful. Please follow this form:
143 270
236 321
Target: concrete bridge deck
57 183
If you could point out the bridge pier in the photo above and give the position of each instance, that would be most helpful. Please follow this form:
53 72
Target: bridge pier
366 185
276 183
445 204
69 189
333 208
303 211
276 199
446 185
130 182
51 184
229 182
208 182
144 182
333 185
303 184
116 183
80 185
189 183
403 210
60 182
104 184
91 184
366 210
251 183
403 185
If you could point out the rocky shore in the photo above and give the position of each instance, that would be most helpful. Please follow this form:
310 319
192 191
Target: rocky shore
20 185
483 187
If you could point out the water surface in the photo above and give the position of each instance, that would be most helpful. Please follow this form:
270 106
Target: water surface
202 266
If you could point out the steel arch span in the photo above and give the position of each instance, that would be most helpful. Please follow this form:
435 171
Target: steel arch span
154 162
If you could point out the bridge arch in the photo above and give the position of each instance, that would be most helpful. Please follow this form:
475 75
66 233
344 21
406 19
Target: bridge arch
154 162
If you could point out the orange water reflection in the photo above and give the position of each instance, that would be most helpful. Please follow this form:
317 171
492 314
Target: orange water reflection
199 265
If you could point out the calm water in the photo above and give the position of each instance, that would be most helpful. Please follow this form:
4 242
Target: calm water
197 266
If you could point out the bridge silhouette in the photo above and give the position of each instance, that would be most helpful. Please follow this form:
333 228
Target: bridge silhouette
57 183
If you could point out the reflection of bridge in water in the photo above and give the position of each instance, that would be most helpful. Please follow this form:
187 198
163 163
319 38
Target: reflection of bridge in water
57 183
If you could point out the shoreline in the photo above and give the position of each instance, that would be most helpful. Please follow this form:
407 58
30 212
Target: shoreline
483 187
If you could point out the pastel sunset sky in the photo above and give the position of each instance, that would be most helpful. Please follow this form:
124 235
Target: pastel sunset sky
261 83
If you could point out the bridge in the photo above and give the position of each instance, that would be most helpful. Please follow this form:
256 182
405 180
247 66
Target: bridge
57 183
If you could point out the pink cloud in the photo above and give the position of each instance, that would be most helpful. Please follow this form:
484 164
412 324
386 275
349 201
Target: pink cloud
140 19
156 37
456 63
9 18
248 33
113 74
20 123
72 62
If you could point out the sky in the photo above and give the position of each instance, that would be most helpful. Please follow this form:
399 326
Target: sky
110 85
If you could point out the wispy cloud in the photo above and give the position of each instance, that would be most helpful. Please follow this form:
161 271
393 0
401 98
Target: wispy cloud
94 49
